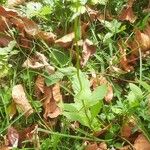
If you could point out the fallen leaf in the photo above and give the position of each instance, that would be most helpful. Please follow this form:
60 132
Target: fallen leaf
48 37
30 26
66 40
39 61
39 86
21 100
12 3
96 81
141 143
50 103
127 147
124 62
4 40
31 134
5 148
127 128
96 146
102 131
128 15
56 93
93 14
12 110
88 50
12 137
92 146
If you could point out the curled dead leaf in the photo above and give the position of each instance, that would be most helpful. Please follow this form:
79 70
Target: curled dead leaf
52 97
128 15
124 62
12 137
141 143
66 40
39 86
48 37
12 3
96 146
88 50
21 100
39 61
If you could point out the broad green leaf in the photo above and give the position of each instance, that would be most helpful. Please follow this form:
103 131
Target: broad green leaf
72 107
84 85
136 90
98 94
68 71
133 101
72 116
145 85
95 109
54 78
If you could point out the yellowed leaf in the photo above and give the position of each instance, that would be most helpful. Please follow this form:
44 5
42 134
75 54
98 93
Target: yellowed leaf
21 100
141 143
12 110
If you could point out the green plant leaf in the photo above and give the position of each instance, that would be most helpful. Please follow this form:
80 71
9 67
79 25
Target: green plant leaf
85 84
95 109
136 90
98 94
145 85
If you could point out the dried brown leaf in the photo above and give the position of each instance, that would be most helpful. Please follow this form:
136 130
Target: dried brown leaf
141 143
88 50
12 137
102 131
96 146
48 37
39 61
51 108
66 40
127 147
56 93
128 15
12 3
124 62
39 86
21 100
4 39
